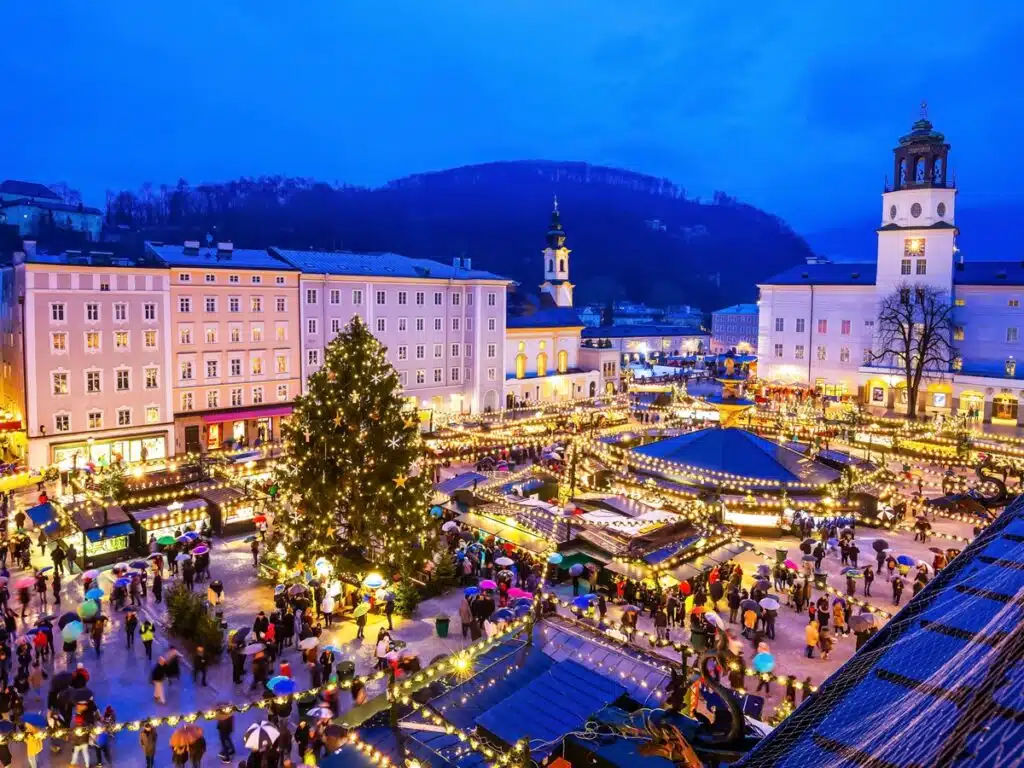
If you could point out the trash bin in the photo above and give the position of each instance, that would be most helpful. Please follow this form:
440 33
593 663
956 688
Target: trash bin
781 555
346 670
441 625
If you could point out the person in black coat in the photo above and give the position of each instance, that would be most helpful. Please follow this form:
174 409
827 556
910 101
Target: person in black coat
260 625
225 730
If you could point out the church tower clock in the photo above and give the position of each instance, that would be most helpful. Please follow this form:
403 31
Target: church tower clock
556 283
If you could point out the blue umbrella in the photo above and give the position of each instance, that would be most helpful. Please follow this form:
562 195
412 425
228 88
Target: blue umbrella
45 568
522 601
764 662
122 582
906 560
436 511
502 614
471 591
191 535
94 594
555 558
282 686
34 718
331 648
581 602
139 564
576 569
522 610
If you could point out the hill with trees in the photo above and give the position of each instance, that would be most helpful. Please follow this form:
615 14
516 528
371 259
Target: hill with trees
632 236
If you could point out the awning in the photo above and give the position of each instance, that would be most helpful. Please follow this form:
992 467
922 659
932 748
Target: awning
710 560
629 570
248 413
457 483
504 531
44 516
119 529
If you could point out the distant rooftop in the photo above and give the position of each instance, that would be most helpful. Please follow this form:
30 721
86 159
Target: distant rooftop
631 331
28 189
378 265
240 258
989 273
737 309
48 205
528 310
826 273
106 255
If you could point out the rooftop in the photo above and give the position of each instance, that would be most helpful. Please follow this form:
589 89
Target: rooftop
532 311
27 188
737 309
378 265
48 205
106 255
989 273
204 258
630 331
827 273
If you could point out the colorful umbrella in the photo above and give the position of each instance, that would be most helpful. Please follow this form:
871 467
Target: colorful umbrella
581 602
166 541
66 619
516 592
576 569
764 662
261 735
555 558
91 575
320 713
436 511
282 685
249 539
182 558
202 549
72 631
504 561
906 560
373 581
451 525
121 583
769 603
502 614
94 594
488 584
88 609
138 564
361 610
26 582
471 591
791 565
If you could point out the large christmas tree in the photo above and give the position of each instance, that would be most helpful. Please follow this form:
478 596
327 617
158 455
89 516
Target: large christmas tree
348 479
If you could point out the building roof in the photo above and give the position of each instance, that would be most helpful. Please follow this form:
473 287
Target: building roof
989 273
523 310
737 309
940 684
27 188
378 265
630 331
105 255
739 452
47 205
828 273
205 258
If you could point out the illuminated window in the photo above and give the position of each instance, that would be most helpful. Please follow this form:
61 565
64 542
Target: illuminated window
152 414
187 401
149 339
60 383
958 333
520 366
563 361
542 364
59 342
95 419
281 363
256 366
152 378
92 341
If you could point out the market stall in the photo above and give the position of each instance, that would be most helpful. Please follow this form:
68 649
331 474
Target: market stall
231 510
173 519
100 535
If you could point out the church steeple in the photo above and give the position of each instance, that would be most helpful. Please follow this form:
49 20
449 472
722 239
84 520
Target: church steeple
920 158
556 262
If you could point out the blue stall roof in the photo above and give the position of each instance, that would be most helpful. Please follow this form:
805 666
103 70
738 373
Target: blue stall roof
44 516
942 684
118 529
457 483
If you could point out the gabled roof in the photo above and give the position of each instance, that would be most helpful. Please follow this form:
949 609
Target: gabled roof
829 273
942 684
737 309
630 331
378 265
27 188
989 273
205 258
532 311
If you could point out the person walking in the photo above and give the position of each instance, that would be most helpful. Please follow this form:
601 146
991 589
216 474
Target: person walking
869 576
200 662
131 624
157 677
158 587
811 637
254 548
196 750
146 635
225 730
147 740
96 633
389 608
897 590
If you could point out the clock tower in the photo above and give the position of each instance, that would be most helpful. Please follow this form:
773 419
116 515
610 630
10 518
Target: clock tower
916 239
556 283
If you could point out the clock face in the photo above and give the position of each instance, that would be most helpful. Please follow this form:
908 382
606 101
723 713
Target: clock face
941 210
892 212
915 210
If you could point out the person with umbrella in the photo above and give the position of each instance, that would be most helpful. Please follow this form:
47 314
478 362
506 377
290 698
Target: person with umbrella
197 748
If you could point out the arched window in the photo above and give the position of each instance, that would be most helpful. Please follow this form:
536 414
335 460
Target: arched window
919 170
561 265
520 366
510 401
551 265
937 171
542 364
563 361
903 171
593 388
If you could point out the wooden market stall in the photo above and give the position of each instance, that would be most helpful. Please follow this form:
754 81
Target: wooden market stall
172 519
232 510
100 534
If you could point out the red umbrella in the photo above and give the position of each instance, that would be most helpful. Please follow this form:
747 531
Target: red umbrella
26 582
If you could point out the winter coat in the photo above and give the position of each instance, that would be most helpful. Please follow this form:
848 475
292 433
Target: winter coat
838 616
811 633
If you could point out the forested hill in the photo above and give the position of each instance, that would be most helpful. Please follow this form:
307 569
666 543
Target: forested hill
632 236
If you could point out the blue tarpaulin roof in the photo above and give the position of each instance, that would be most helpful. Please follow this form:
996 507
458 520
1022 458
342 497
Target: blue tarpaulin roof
43 515
118 529
457 483
942 684
556 703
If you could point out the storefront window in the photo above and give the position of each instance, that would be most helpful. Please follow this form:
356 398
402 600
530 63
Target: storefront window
263 429
1004 408
238 431
940 399
105 452
878 395
105 546
213 441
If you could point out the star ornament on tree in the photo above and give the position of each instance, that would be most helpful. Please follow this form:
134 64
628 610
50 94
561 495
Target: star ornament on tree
393 442
337 420
400 481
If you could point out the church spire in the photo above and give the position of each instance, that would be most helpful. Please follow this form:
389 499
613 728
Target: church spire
556 261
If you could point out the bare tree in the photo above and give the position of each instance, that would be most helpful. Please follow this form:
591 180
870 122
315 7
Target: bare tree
915 330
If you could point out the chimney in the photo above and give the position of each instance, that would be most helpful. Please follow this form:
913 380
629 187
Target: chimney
192 246
227 247
467 262
30 248
456 261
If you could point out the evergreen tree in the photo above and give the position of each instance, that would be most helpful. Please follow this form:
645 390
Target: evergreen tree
349 477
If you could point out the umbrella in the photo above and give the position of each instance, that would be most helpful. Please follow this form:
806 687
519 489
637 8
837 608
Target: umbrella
66 619
190 535
72 631
154 556
488 584
471 591
252 649
504 561
34 719
91 575
451 525
521 610
26 582
45 619
88 609
516 592
576 569
82 694
121 583
118 567
138 564
182 558
769 603
840 600
862 622
806 546
791 565
436 511
361 610
297 589
249 539
185 736
555 558
504 574
526 600
282 686
44 569
502 614
936 550
880 545
373 581
762 584
320 713
808 559
906 560
850 571
308 643
260 736
764 570
202 549
749 605
581 602
764 662
279 589
239 635
332 649
631 609
94 594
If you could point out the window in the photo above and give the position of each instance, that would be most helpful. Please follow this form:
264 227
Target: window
211 334
381 325
255 303
869 323
469 303
234 304
92 341
281 304
421 351
256 279
381 297
921 267
120 312
403 298
867 356
281 332
419 324
60 383
780 324
124 417
95 419
456 299
357 297
281 363
93 382
186 370
492 351
311 326
421 377
420 298
778 350
235 366
184 277
92 312
149 311
455 374
62 423
152 377
187 401
960 302
492 299
438 350
256 366
279 279
123 379
1011 335
403 352
844 354
236 397
799 352
185 304
335 296
438 298
403 378
800 325
844 328
469 350
282 391
213 399
905 266
958 333
492 374
149 339
335 325
438 375
313 357
210 278
455 323
469 322
121 339
212 369
821 354
311 296
1014 302
57 313
58 343
437 324
236 334
256 333
232 278
492 324
257 395
823 326
185 334
152 414
403 324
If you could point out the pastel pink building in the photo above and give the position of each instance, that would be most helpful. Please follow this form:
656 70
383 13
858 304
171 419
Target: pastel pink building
86 356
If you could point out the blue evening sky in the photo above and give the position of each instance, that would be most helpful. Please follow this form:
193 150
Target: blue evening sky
793 105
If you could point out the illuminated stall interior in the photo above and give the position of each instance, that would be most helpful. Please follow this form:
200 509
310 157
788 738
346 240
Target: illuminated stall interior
231 510
173 519
100 534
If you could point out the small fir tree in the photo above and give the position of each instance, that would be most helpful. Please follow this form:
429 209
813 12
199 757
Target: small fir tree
350 478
